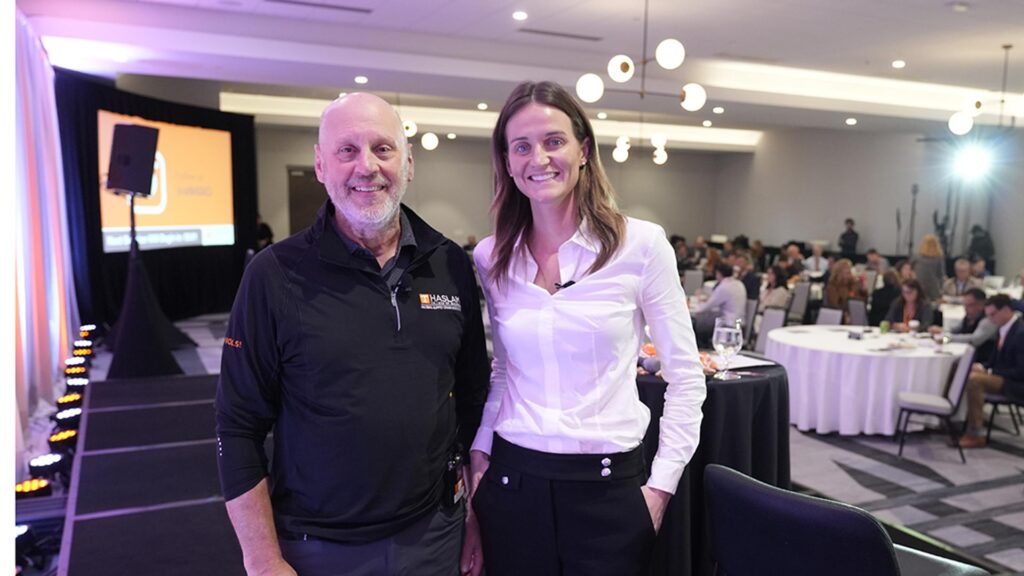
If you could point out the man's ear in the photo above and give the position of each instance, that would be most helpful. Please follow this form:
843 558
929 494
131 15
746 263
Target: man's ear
318 163
411 166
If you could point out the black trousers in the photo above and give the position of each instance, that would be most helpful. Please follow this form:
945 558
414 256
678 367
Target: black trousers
563 514
430 547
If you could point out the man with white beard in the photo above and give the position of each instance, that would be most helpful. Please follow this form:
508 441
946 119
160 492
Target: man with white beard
359 342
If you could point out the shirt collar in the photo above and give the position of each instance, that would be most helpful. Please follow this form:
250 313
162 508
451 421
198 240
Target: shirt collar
405 238
1005 328
583 237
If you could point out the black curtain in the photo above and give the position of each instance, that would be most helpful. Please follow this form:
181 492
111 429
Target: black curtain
187 281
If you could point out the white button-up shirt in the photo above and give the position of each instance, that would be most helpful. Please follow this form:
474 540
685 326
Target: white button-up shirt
564 373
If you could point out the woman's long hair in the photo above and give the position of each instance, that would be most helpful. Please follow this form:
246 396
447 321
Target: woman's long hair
593 196
930 246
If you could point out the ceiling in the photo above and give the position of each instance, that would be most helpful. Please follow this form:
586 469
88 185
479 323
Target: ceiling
770 64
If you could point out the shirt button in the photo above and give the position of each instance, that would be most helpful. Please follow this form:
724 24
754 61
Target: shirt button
504 480
606 472
606 462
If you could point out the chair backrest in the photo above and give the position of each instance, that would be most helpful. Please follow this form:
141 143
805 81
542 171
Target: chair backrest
963 370
760 529
870 277
858 312
692 281
830 316
798 303
748 319
773 318
993 282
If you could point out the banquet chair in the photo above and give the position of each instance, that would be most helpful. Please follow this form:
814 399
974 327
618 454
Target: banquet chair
1012 405
943 407
798 304
758 529
748 320
693 280
771 319
829 317
858 312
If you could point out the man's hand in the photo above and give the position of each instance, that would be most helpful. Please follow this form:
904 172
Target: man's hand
657 501
978 367
478 464
935 330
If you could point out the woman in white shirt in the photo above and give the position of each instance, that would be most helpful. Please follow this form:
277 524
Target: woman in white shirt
775 294
570 284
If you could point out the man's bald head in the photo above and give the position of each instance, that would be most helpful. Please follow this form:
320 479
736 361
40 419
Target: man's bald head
361 104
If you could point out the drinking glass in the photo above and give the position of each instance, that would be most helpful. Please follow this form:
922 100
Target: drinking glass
727 340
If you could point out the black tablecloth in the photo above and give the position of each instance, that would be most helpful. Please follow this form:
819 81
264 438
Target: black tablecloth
746 427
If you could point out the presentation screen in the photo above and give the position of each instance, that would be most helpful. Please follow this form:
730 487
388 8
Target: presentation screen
191 201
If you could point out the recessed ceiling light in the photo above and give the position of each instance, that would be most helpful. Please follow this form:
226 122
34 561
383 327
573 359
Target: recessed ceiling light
707 123
959 6
361 79
851 121
898 64
602 115
520 15
451 135
481 106
342 94
718 110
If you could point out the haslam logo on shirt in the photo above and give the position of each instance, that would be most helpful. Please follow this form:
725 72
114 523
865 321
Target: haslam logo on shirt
440 302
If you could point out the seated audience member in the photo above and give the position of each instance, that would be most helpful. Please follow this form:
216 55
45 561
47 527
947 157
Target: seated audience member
842 287
1001 372
962 281
796 260
877 262
816 262
882 298
728 300
979 269
714 258
775 293
758 254
682 252
699 250
906 270
911 305
976 329
745 272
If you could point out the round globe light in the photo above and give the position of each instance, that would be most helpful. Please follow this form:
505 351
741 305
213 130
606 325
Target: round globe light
622 142
961 123
660 156
410 128
590 88
670 54
429 141
658 140
620 154
693 97
620 68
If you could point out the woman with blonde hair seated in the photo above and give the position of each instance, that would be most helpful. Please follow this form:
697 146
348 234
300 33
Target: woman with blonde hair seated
842 287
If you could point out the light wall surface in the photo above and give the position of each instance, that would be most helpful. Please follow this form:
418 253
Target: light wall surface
800 184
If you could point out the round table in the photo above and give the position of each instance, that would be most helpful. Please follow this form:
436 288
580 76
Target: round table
745 427
838 384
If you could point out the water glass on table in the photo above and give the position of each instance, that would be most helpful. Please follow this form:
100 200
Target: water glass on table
728 341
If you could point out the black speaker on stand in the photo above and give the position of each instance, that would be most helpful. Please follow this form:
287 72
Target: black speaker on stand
143 337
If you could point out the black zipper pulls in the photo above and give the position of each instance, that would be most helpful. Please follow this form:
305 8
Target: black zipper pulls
394 304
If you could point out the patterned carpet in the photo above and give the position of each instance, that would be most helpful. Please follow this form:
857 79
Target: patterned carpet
976 507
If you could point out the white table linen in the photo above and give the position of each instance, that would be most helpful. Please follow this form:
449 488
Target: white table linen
837 384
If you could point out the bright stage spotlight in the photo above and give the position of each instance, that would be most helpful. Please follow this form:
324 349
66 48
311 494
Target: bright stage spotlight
71 400
34 488
76 384
68 419
63 441
47 465
973 162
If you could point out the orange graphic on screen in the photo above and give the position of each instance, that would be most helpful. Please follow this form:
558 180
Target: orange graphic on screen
192 183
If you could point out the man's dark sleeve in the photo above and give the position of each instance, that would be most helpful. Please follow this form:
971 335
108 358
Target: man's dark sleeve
472 367
248 391
1012 368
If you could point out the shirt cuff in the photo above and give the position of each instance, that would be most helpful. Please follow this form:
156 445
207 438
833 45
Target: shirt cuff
484 439
665 475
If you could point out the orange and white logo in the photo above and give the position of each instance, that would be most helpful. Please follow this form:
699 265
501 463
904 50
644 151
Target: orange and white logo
440 302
